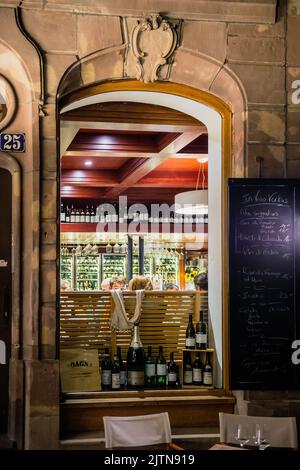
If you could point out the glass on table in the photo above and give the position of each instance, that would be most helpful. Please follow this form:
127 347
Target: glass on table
261 437
241 434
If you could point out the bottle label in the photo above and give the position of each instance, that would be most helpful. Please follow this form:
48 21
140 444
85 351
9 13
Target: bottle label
202 338
161 369
197 375
188 377
122 377
207 378
190 342
150 370
106 377
172 377
136 378
115 380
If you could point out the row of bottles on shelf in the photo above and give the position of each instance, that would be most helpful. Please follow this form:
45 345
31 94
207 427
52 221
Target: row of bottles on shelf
146 372
196 338
90 214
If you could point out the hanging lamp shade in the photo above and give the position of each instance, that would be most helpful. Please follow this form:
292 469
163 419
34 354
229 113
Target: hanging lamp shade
192 202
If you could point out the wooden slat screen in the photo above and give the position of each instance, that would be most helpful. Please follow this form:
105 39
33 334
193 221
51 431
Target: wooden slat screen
84 320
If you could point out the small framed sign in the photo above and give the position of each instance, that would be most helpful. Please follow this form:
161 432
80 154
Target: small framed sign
79 370
12 142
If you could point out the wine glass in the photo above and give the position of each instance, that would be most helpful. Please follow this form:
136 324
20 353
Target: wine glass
261 437
242 434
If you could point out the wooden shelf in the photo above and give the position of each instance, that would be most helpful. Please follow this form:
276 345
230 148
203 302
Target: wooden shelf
209 350
203 352
197 387
151 228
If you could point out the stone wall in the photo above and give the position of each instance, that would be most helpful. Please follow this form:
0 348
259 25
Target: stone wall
249 65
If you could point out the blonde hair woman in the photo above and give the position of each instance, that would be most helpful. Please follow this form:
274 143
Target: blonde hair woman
140 283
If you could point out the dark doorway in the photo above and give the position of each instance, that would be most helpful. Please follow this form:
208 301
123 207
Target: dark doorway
5 292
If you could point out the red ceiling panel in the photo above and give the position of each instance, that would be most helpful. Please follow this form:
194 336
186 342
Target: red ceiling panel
98 163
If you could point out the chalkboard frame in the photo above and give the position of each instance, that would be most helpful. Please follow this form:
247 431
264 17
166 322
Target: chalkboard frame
292 377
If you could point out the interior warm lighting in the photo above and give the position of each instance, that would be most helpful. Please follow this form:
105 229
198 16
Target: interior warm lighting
88 163
193 202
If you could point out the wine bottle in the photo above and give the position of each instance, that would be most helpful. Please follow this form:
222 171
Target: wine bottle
87 215
197 370
187 369
201 333
135 362
106 370
68 215
122 368
207 372
190 335
150 377
77 216
93 214
62 213
161 369
115 374
72 217
82 216
172 372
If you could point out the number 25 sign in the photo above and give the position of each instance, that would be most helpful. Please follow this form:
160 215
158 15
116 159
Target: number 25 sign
12 142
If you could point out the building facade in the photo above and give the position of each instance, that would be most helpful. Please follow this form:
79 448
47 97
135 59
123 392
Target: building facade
244 53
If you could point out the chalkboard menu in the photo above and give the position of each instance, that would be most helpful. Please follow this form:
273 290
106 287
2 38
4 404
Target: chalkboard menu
264 282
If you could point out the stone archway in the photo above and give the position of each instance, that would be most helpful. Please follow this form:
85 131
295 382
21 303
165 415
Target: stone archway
190 68
213 84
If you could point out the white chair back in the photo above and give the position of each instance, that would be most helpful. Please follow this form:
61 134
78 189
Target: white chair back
282 432
135 431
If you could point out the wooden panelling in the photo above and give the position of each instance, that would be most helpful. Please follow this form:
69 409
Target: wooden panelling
129 112
84 320
186 411
129 142
97 178
156 228
151 195
79 163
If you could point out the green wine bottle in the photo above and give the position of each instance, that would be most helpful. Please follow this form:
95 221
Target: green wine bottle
161 369
150 377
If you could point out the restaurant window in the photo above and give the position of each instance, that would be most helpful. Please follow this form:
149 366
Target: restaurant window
134 205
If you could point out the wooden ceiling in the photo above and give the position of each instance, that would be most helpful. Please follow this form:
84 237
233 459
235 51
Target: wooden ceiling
146 152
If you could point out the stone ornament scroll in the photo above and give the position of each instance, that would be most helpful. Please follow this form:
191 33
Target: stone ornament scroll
154 41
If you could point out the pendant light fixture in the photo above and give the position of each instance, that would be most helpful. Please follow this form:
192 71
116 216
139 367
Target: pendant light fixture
194 202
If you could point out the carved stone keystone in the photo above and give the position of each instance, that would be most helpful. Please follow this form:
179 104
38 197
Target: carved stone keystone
154 41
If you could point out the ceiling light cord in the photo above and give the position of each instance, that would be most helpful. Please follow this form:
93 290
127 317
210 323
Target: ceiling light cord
201 170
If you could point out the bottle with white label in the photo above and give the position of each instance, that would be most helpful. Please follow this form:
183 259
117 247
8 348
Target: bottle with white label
62 213
190 335
161 369
207 372
115 374
106 371
197 370
201 333
172 372
135 362
150 376
187 369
